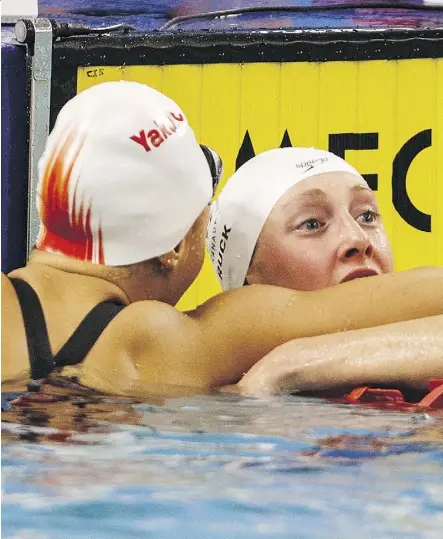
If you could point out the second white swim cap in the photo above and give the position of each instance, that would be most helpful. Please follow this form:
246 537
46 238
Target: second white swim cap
245 202
122 178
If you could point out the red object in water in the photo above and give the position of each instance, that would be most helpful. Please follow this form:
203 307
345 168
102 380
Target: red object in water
393 398
434 399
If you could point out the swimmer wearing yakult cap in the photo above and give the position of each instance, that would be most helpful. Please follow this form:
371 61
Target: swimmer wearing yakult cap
123 199
305 219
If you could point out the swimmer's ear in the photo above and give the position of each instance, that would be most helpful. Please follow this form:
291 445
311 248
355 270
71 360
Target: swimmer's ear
169 260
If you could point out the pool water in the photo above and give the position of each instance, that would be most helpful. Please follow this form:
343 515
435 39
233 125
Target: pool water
220 466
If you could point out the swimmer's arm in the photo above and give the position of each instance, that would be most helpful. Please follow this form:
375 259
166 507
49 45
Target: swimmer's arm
221 340
239 327
404 354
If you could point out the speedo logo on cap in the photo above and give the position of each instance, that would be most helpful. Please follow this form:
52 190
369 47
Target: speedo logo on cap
155 137
308 165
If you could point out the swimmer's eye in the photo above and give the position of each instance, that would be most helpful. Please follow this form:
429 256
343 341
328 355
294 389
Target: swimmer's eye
310 224
369 217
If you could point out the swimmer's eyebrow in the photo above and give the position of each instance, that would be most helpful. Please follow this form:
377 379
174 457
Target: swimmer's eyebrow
359 187
314 193
309 193
319 194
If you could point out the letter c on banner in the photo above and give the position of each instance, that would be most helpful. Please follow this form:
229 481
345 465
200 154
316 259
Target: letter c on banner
400 198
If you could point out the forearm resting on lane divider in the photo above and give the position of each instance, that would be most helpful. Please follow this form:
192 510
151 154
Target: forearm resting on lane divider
406 354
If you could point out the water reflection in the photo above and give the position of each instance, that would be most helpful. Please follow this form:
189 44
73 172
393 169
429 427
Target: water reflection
112 467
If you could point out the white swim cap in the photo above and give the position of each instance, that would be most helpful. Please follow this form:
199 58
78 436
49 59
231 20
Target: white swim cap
245 202
122 178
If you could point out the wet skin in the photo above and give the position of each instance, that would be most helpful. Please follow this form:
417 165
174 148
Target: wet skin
323 231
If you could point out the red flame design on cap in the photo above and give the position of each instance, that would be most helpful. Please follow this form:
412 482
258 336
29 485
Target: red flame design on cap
63 231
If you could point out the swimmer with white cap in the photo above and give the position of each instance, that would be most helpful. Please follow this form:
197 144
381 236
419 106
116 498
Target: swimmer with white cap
123 200
304 218
296 217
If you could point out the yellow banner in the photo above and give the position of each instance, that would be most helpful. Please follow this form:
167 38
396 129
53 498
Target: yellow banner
385 117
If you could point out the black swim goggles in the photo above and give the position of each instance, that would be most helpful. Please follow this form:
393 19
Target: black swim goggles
215 165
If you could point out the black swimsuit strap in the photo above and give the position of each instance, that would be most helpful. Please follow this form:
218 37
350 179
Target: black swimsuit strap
39 349
76 347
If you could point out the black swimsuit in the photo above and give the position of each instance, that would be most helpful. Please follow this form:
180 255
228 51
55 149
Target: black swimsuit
42 360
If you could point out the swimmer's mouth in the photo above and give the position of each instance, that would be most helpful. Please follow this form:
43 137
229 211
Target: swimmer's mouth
358 274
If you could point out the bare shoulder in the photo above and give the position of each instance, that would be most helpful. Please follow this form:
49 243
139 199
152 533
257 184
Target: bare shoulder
130 351
149 328
145 318
148 343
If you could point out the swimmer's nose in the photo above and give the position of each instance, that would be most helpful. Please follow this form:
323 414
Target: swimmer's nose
356 244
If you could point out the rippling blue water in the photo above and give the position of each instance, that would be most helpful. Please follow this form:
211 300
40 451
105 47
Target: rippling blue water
225 467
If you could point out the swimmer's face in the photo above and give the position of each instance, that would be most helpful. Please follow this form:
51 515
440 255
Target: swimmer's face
323 231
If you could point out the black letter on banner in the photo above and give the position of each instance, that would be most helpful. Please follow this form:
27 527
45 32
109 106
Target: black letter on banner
340 142
400 198
246 151
286 141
